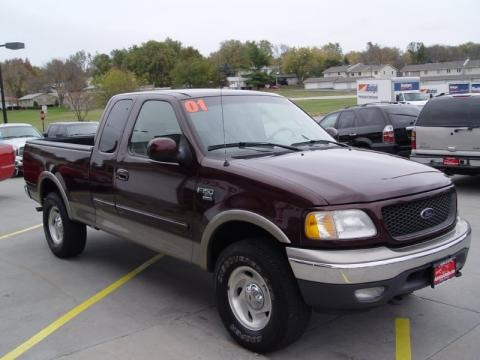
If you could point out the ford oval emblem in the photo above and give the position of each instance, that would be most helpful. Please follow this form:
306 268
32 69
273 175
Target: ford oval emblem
427 213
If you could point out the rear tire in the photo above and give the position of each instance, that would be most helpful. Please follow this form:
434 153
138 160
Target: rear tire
65 238
257 296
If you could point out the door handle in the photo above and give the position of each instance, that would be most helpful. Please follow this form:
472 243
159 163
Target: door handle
352 134
122 174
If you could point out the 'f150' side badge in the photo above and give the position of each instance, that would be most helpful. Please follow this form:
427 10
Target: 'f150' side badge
207 193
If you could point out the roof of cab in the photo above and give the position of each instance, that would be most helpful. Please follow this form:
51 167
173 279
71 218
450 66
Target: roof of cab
182 94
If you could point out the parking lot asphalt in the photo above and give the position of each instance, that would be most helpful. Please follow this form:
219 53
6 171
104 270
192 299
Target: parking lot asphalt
167 311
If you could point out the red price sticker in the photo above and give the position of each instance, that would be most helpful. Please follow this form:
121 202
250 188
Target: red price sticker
193 106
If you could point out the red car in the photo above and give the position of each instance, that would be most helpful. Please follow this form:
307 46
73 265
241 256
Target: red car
7 161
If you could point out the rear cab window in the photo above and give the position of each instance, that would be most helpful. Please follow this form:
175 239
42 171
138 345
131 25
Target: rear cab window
114 126
457 111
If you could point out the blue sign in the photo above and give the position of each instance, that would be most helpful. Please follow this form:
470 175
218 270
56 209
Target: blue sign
406 86
475 88
458 88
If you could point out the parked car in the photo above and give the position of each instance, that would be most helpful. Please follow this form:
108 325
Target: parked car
17 135
380 127
73 128
246 185
447 134
7 161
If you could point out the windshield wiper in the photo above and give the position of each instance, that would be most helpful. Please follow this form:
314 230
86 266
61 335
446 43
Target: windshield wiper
313 142
252 144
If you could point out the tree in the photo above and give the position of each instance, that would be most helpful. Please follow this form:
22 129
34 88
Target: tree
232 55
116 81
259 55
153 61
194 72
101 64
259 79
54 72
16 75
298 61
80 103
417 52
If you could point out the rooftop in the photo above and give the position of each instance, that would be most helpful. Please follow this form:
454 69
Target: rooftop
442 65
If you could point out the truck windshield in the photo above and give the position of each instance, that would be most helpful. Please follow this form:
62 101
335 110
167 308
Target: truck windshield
250 119
415 96
12 132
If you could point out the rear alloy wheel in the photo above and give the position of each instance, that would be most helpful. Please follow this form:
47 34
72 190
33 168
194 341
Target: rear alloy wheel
65 238
257 296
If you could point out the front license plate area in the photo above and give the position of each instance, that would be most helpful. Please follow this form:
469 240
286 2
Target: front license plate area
444 271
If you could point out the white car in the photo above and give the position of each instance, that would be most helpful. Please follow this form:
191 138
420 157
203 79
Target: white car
17 135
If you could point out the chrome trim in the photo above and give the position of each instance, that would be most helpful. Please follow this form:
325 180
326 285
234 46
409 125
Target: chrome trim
154 216
103 202
48 175
376 264
201 251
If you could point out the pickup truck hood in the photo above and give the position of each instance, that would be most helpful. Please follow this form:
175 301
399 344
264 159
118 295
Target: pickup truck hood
342 176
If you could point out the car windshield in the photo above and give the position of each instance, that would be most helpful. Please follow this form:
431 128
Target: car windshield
82 129
250 119
12 132
415 96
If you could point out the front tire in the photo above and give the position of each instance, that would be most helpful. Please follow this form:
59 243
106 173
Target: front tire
257 296
65 238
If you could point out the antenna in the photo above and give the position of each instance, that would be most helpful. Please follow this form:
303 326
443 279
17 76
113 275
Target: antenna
225 163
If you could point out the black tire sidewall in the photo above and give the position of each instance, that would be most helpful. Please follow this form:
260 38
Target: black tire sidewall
262 340
74 233
51 201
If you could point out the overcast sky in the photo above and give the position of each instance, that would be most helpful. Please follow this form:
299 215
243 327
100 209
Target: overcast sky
56 29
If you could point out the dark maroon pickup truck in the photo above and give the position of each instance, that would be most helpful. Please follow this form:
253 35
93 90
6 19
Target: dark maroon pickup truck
246 185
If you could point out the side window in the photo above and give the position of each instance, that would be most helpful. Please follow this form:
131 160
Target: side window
115 123
370 117
52 130
156 119
347 120
61 131
329 121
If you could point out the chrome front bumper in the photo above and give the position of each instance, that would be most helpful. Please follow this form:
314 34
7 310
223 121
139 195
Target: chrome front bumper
375 264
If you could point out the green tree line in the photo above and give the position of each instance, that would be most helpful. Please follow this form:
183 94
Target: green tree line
169 63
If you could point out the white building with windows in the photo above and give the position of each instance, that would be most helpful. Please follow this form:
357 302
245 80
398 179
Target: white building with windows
344 77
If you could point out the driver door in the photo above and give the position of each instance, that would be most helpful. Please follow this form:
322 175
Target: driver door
155 199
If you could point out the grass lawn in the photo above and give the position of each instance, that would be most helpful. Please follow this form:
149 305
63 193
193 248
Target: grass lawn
32 117
298 91
322 107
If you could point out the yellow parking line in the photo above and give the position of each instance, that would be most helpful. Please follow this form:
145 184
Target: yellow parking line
403 349
42 334
20 231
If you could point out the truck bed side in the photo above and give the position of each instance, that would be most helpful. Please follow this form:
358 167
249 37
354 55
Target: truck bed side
64 164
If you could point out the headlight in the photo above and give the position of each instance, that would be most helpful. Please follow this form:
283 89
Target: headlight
339 225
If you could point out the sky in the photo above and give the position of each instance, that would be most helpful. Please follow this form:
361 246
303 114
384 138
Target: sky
56 29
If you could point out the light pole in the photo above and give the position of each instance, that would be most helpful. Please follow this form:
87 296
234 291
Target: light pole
11 46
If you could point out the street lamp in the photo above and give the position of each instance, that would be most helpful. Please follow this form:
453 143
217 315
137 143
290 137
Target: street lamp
11 46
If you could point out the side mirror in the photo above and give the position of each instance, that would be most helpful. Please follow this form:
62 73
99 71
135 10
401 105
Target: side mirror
162 149
332 132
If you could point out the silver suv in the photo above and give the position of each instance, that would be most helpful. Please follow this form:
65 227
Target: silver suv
447 134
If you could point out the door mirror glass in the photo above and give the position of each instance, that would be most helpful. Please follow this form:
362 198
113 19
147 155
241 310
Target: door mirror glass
162 149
